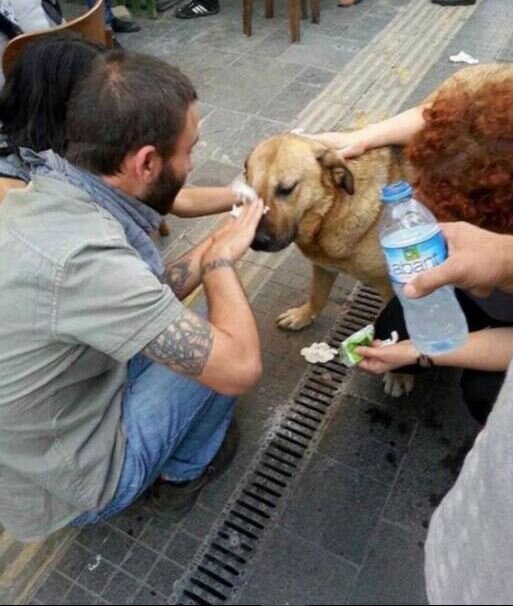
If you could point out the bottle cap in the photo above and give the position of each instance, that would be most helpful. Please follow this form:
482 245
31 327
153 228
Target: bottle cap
396 191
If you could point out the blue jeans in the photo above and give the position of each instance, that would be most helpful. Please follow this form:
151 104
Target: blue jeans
174 427
108 10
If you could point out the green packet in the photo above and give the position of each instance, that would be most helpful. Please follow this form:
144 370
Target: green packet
347 355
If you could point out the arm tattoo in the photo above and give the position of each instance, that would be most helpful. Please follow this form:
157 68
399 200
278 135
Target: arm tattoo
185 345
178 274
208 267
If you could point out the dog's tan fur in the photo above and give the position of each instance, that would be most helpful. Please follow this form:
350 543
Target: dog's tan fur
337 231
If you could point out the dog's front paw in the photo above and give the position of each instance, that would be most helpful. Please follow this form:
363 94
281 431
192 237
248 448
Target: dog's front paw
396 384
295 318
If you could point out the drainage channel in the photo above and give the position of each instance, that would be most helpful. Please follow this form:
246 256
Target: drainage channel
220 567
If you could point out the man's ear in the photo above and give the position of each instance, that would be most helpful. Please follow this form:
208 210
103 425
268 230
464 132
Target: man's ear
330 160
147 164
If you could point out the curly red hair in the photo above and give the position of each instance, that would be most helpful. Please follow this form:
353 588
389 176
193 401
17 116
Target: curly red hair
463 158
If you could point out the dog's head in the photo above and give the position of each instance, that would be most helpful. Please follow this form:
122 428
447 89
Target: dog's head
299 179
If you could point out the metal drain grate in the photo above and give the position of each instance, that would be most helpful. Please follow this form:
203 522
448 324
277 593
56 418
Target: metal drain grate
220 566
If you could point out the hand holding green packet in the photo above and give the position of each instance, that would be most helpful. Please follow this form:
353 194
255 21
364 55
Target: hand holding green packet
347 354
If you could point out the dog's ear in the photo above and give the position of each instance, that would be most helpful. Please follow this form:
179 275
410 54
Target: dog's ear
343 177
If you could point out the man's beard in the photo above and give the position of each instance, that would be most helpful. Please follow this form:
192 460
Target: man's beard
163 192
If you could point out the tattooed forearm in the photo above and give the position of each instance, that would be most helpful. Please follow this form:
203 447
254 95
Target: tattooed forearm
184 346
178 275
215 265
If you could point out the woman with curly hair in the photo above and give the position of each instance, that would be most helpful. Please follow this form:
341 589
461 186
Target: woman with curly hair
463 157
459 145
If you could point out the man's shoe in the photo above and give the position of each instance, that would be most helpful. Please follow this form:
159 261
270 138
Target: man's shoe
121 26
454 2
172 501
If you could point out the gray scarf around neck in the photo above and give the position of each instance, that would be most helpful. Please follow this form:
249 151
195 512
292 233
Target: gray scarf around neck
138 220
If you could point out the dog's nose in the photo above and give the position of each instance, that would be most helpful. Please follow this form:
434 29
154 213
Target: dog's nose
261 242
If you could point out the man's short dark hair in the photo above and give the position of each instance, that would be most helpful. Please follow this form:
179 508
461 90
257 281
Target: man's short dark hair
128 100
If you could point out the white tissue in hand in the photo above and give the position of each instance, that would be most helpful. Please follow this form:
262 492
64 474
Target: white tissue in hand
243 191
394 338
236 211
318 352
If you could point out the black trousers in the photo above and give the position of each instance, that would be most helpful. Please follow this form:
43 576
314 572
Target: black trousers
480 388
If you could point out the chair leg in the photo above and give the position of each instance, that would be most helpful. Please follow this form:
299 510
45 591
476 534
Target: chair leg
316 10
164 229
247 14
269 9
304 9
294 20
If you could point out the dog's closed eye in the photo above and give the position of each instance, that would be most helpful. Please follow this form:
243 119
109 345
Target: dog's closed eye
282 191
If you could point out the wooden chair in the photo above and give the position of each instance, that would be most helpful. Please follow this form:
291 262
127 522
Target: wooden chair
90 25
294 15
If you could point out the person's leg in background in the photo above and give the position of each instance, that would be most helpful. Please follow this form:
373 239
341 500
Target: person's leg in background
480 388
176 430
118 26
480 391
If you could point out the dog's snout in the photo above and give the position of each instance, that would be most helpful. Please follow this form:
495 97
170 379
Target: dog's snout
262 241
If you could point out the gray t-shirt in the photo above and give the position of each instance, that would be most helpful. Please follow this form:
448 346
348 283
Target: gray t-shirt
77 303
469 549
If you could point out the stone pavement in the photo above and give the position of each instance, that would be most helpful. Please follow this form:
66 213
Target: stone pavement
349 524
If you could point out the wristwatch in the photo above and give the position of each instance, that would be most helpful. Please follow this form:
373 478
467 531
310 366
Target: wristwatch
424 361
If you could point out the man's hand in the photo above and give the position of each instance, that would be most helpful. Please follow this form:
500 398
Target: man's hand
229 242
478 261
234 237
223 352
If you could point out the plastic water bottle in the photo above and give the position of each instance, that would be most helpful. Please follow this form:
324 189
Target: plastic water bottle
412 243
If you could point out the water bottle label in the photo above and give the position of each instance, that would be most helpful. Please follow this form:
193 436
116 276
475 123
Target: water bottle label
406 262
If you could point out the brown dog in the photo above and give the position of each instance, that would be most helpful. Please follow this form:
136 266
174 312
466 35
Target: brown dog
331 208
